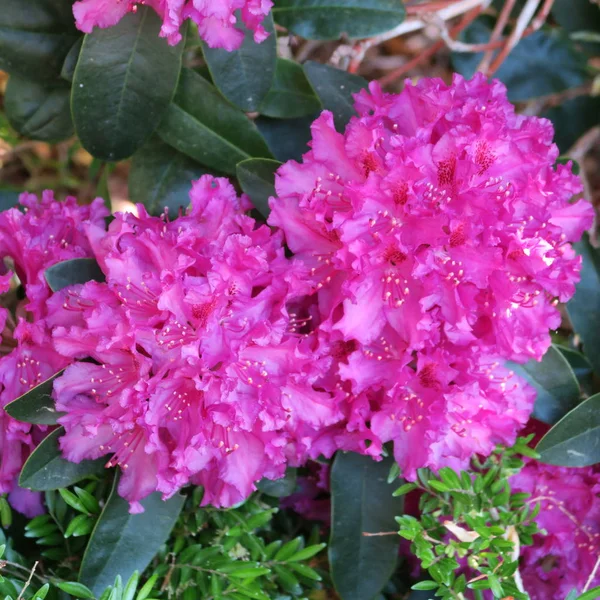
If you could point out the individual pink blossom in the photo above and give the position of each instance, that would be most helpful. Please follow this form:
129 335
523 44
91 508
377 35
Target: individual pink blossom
46 232
216 19
41 234
197 373
562 558
435 232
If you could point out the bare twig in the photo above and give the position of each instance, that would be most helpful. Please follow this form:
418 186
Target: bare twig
28 582
466 20
414 24
590 579
497 33
516 34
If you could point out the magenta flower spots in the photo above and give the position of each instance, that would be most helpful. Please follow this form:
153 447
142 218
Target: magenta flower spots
216 19
436 234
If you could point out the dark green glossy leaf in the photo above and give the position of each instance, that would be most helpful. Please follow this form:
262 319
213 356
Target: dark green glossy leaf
257 178
291 95
577 16
68 69
119 96
71 272
279 488
36 36
244 76
36 406
335 89
581 367
203 125
543 63
362 502
46 469
8 199
575 440
39 110
329 19
555 383
161 177
584 307
572 119
287 138
122 543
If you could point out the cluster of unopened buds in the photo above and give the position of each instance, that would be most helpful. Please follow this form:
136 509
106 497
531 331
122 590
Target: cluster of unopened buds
430 242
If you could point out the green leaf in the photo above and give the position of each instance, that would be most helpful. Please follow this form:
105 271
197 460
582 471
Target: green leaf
131 586
287 580
307 553
329 19
257 178
122 543
46 469
404 489
335 89
73 501
291 95
592 594
68 69
425 585
36 406
362 565
586 321
36 36
575 440
42 592
305 571
555 383
161 177
119 96
543 63
287 138
581 367
203 125
80 525
147 587
75 589
244 76
573 118
39 110
72 272
91 504
577 16
279 488
8 199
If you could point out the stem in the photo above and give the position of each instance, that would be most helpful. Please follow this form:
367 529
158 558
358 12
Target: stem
588 583
28 581
478 594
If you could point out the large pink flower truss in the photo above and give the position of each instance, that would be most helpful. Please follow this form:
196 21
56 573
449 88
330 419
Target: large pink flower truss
436 233
216 19
192 368
40 234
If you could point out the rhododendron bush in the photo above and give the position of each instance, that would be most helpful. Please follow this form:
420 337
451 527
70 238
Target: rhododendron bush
331 305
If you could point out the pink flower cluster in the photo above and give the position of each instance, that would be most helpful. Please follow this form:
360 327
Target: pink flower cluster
44 233
435 233
564 558
215 19
431 245
193 370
